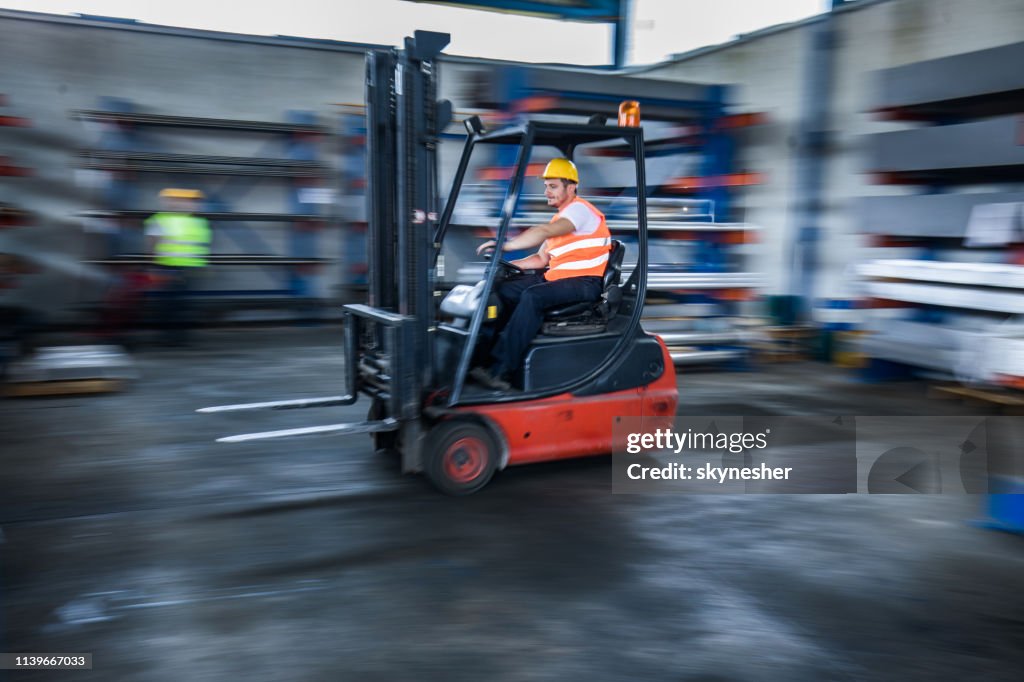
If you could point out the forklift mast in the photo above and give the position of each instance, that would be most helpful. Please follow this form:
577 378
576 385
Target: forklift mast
404 123
388 346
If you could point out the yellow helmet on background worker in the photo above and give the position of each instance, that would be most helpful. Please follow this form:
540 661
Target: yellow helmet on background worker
179 193
561 168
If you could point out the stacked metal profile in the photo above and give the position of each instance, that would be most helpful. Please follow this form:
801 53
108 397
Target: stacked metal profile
961 234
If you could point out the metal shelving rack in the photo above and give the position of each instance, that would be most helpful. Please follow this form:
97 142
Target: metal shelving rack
354 247
8 167
970 105
14 260
276 275
698 281
962 293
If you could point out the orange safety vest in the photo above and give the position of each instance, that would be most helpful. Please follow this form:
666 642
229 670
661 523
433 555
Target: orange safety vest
578 255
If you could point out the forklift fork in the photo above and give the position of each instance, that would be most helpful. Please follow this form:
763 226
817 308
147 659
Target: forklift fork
372 426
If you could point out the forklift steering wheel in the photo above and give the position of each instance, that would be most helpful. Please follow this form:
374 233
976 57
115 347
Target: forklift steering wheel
509 267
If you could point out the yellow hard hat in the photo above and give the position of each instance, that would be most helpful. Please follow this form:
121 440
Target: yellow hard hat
177 193
561 168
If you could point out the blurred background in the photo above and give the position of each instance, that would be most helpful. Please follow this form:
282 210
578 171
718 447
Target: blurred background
835 195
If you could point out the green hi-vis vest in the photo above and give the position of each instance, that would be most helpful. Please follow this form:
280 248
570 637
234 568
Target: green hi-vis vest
184 239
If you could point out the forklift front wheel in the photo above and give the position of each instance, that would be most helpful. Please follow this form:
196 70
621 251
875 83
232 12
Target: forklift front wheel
461 456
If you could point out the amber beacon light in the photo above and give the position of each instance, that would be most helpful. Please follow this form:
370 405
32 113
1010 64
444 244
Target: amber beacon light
629 114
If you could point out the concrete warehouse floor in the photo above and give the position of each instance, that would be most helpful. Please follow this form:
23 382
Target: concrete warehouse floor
130 534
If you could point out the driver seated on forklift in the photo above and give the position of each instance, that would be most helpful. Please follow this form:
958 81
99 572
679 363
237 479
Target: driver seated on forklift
574 249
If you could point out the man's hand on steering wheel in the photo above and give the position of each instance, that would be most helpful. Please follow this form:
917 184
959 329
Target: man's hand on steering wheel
487 250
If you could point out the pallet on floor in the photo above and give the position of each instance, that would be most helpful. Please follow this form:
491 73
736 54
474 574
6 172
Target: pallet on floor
783 344
1006 400
34 389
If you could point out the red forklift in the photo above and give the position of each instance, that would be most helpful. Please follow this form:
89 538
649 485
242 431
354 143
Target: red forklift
409 349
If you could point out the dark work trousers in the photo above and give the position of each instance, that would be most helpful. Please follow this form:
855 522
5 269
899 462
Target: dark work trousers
174 303
527 297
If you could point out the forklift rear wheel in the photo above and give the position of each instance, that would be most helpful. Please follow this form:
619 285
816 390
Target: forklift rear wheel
461 456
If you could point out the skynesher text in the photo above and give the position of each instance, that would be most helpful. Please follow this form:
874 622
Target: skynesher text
681 472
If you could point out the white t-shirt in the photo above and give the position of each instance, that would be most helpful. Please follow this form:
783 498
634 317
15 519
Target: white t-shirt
582 217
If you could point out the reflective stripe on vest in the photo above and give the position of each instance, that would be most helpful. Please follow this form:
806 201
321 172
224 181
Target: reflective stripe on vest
581 244
184 240
579 255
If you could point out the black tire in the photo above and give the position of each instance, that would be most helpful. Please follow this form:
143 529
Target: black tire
460 456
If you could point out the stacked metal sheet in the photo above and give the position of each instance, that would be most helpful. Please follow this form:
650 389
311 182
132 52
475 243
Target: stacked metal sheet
73 363
975 340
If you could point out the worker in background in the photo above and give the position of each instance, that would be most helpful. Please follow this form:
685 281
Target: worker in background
574 248
180 243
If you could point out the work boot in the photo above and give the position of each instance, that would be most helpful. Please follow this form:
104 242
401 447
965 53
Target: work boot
485 378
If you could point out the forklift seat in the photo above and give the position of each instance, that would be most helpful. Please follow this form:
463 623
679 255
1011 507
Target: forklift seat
588 317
